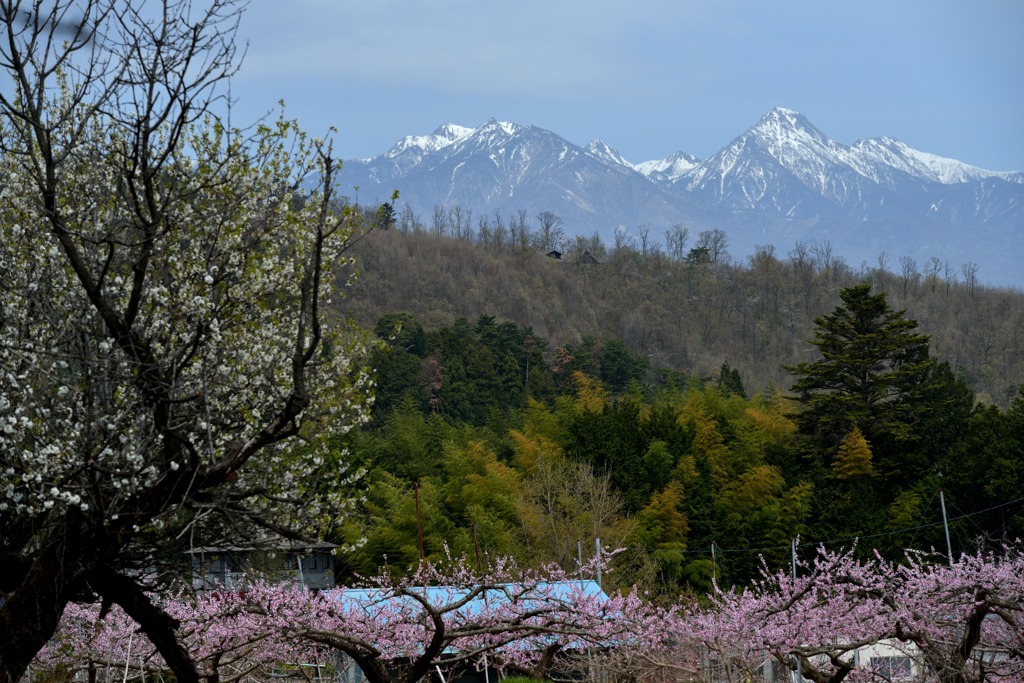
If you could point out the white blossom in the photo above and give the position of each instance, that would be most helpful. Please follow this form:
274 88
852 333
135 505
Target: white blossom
72 410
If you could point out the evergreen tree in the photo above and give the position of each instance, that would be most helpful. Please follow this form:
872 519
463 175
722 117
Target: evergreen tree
874 374
730 382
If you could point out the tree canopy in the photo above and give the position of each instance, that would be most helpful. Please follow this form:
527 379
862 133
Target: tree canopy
872 374
163 320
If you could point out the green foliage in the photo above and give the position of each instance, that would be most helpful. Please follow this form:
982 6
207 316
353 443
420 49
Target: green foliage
875 375
874 369
854 457
661 528
657 463
730 382
985 469
667 470
755 315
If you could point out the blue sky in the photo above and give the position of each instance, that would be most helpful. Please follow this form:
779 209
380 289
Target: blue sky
649 77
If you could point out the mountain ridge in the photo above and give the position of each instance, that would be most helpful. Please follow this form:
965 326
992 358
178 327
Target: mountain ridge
781 181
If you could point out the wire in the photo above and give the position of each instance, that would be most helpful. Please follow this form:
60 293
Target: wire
837 541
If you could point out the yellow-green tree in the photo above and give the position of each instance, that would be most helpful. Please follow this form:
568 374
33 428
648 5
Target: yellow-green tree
854 457
661 530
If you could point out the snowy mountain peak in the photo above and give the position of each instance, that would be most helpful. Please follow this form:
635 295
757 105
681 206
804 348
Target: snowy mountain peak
896 154
494 125
783 114
442 137
781 127
782 139
451 131
669 168
600 150
781 181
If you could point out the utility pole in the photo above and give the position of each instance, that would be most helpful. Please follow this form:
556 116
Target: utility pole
792 545
419 521
579 560
476 547
798 676
597 544
945 524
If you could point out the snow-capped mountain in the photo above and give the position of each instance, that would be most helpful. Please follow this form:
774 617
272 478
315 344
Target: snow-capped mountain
779 182
504 167
885 151
599 150
668 169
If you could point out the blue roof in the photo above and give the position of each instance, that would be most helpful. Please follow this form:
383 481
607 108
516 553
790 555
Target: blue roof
439 596
367 599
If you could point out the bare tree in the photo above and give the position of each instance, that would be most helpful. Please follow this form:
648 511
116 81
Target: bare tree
621 239
970 273
948 275
822 252
440 224
520 230
460 223
483 230
716 243
883 262
550 234
675 241
408 221
644 230
162 331
564 501
908 273
501 235
932 272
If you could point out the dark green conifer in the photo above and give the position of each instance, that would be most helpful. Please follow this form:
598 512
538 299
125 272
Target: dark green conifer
874 374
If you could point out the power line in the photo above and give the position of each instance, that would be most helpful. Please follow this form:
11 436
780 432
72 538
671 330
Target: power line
849 539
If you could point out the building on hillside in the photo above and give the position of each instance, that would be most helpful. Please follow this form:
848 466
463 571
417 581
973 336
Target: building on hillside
220 567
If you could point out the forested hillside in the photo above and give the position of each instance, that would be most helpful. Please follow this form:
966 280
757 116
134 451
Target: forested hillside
689 307
698 413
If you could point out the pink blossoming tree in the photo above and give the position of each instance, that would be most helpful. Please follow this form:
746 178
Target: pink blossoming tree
394 628
959 623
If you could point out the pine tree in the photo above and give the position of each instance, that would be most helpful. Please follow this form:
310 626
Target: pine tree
874 375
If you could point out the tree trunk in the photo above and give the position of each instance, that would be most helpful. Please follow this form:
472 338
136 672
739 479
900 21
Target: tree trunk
29 614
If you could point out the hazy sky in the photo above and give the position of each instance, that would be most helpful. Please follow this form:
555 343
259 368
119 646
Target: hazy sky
649 77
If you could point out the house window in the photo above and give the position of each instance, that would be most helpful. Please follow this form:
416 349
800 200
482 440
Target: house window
892 668
308 562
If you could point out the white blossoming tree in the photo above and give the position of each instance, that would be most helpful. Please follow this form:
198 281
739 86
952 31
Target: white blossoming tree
163 326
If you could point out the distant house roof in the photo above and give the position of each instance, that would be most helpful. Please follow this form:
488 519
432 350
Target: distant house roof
438 596
364 599
587 257
555 254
